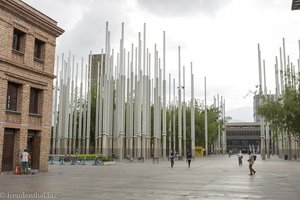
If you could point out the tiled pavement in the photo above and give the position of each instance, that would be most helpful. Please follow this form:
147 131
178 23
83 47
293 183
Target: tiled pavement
214 177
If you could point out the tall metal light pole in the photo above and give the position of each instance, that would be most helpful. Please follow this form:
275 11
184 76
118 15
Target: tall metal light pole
192 113
266 123
184 115
179 106
262 133
206 128
219 125
164 132
54 136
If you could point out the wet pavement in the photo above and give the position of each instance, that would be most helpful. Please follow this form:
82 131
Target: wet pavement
213 177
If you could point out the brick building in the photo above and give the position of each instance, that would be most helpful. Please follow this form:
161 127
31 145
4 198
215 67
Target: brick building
27 54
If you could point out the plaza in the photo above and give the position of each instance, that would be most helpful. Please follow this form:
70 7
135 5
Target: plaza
128 104
213 177
114 104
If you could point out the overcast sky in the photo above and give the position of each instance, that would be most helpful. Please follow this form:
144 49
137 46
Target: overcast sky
220 37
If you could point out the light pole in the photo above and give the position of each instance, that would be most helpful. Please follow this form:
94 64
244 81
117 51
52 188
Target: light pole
206 125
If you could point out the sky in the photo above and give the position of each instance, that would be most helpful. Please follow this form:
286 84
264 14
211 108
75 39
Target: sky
220 37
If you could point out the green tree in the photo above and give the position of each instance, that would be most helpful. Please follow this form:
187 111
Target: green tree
284 113
212 125
93 116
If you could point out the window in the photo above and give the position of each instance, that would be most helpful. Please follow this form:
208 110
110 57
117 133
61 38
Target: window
39 49
18 40
35 101
12 96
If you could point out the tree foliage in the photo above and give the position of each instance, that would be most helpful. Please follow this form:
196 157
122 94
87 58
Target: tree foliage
213 122
283 113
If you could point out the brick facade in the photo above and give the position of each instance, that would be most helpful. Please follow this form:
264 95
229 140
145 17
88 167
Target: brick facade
23 68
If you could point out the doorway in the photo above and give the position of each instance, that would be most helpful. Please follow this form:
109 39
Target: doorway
33 147
8 150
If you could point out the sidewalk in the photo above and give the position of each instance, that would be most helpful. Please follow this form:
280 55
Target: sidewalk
215 177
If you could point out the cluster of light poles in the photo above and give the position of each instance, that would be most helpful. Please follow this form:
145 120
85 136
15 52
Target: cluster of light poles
285 76
124 125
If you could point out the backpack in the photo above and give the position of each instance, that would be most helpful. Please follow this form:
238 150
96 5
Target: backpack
254 157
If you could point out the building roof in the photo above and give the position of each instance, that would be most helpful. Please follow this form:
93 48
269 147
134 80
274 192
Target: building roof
242 125
33 16
296 5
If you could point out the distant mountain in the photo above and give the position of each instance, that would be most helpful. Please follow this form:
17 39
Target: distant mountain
243 114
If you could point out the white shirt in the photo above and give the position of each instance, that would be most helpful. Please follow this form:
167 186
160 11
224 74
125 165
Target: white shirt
25 156
251 159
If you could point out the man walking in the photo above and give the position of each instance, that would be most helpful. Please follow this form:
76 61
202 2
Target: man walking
25 158
240 158
189 159
171 158
251 162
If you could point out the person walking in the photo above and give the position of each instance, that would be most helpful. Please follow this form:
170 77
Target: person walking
172 157
240 158
189 159
25 158
251 163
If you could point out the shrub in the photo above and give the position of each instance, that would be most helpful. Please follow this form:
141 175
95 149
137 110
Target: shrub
80 157
107 159
88 156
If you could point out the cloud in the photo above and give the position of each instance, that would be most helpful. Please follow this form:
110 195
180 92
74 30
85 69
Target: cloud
66 12
181 7
84 23
219 36
242 114
89 32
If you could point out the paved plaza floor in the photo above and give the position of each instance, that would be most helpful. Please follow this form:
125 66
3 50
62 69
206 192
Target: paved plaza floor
213 177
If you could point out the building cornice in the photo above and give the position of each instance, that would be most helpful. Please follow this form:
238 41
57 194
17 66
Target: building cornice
242 125
32 16
40 72
26 79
